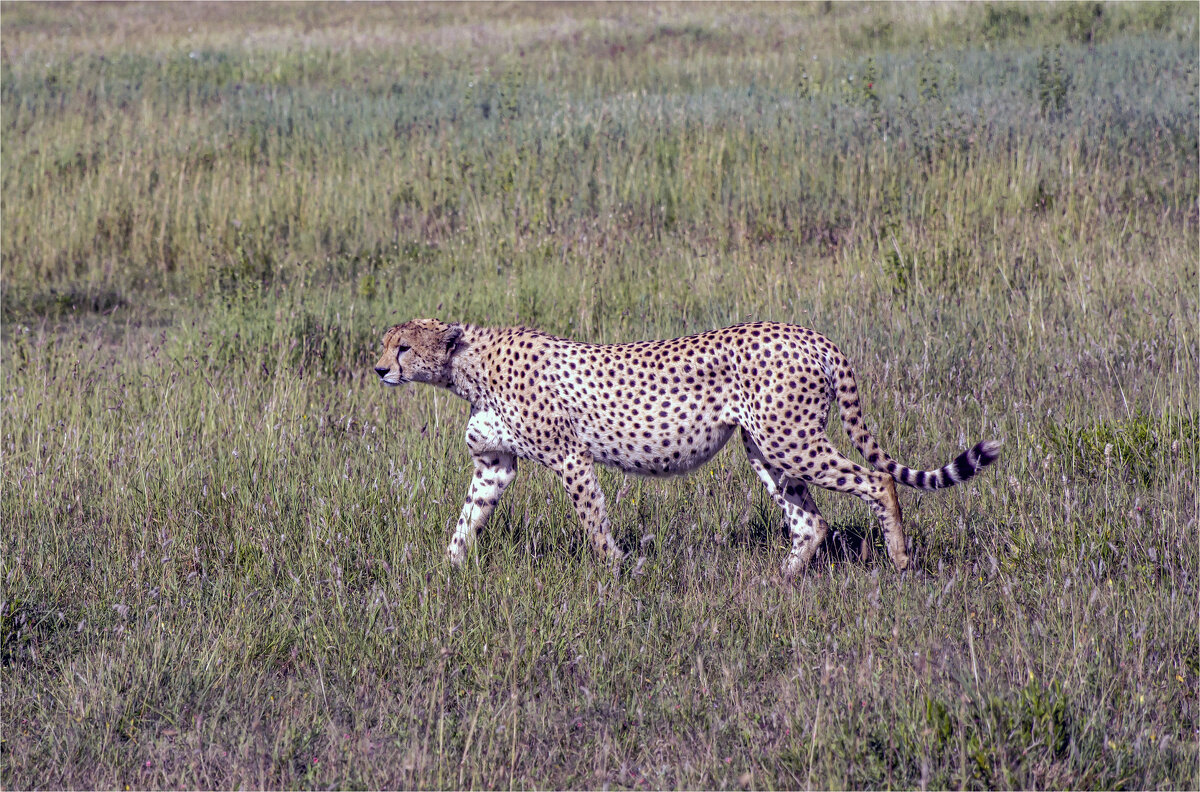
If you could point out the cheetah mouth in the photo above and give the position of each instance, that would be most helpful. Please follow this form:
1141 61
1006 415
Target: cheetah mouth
390 378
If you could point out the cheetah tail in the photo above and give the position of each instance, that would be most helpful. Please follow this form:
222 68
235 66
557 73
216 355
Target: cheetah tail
964 466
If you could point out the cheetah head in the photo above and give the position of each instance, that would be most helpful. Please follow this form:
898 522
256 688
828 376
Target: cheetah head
418 351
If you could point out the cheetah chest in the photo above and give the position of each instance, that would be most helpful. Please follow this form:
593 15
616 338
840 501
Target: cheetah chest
488 432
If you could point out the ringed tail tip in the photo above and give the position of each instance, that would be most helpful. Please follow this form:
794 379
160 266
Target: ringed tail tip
989 451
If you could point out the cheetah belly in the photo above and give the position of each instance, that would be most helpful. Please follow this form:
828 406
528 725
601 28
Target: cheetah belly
664 453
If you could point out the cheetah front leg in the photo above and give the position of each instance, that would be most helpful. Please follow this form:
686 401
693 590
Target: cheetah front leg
805 524
578 473
494 471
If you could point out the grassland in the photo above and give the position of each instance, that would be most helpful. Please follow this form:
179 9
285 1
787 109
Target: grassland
222 541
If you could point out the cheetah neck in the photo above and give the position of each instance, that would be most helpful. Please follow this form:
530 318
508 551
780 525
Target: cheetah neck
468 379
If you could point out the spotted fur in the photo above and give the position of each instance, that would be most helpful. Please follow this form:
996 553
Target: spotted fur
660 408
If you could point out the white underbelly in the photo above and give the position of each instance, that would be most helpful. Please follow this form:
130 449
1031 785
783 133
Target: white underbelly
663 454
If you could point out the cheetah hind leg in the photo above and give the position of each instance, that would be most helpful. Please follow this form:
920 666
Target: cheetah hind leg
805 525
877 488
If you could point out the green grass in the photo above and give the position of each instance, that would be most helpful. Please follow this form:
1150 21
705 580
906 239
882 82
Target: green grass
222 541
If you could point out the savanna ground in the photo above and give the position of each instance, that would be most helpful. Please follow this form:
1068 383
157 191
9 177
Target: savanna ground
222 545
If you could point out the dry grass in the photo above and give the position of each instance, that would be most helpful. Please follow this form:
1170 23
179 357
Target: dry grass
222 542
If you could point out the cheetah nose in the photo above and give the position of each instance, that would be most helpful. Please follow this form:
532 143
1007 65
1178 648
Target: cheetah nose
382 372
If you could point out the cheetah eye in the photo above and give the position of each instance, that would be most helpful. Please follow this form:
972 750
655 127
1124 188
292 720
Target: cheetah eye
401 349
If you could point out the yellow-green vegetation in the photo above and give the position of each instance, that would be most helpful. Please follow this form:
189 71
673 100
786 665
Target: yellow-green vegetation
222 540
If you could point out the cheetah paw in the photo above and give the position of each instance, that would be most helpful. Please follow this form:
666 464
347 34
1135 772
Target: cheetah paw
792 567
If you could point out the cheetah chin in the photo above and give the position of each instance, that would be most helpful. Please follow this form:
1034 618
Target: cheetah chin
661 408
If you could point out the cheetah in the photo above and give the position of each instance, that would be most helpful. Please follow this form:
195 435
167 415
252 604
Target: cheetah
660 408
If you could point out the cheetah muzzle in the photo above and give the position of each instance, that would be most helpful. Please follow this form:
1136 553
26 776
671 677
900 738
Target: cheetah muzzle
661 408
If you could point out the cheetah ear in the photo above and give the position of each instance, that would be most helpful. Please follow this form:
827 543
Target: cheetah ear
451 337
